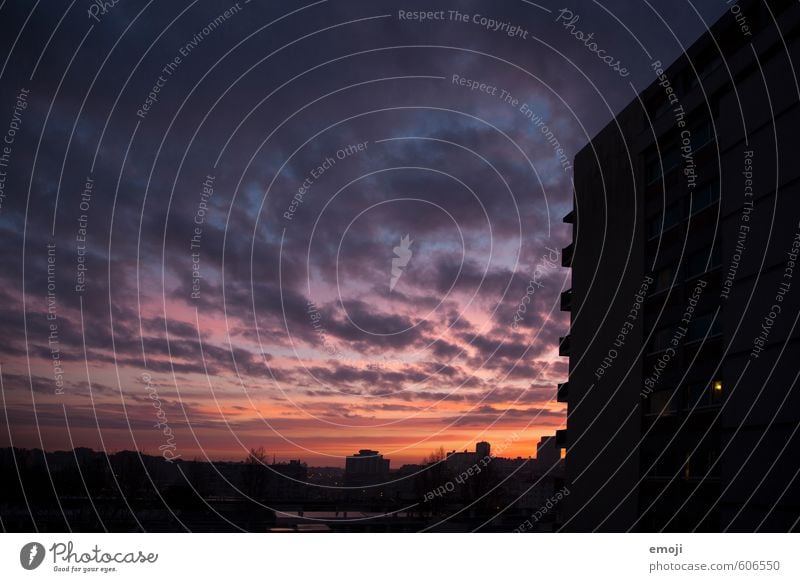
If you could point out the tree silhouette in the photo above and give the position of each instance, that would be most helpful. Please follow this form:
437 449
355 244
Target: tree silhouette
255 476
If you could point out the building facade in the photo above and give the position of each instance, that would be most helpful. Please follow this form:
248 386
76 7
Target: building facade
683 402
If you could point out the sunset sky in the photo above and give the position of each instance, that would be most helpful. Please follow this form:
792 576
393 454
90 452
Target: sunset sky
284 326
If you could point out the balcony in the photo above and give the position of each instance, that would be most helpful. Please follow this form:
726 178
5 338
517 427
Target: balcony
570 217
563 392
566 255
561 438
566 300
563 346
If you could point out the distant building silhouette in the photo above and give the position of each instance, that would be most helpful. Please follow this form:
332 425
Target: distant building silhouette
548 456
287 479
682 395
366 468
458 461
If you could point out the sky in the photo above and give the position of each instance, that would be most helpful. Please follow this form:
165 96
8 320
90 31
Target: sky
310 227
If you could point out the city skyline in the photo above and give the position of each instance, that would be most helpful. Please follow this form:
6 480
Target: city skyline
374 267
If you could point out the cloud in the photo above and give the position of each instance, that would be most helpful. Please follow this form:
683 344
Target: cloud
463 173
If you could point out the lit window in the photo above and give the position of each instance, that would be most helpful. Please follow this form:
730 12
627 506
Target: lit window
716 391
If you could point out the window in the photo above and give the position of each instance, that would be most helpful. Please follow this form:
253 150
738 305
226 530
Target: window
702 134
716 391
702 462
700 262
704 196
696 263
661 339
664 278
699 326
659 403
698 395
672 215
670 157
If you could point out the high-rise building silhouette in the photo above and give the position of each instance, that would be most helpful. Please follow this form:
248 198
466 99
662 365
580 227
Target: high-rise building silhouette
682 395
548 456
